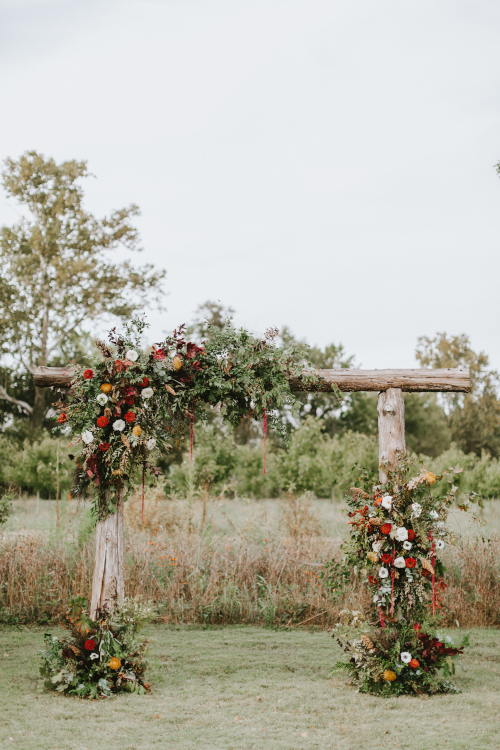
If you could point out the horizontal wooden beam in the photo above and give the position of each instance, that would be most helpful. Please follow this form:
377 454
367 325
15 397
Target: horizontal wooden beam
456 380
450 380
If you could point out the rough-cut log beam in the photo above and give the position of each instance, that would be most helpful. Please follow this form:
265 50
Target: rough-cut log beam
456 380
44 377
391 429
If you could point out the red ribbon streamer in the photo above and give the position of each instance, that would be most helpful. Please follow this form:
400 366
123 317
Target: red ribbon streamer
392 580
191 430
381 616
433 562
143 479
265 438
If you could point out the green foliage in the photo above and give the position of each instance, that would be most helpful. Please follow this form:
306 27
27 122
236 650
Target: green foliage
98 659
56 272
474 418
39 466
313 461
6 498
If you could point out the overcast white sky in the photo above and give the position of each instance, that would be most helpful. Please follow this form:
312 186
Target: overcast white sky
322 164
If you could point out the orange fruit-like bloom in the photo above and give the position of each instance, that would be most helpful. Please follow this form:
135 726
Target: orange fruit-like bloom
136 430
106 387
429 477
389 675
177 363
62 418
129 416
115 663
414 663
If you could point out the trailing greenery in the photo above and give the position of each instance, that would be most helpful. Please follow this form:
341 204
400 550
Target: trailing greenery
131 404
98 658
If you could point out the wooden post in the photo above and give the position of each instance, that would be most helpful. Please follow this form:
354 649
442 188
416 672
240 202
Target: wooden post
391 428
107 583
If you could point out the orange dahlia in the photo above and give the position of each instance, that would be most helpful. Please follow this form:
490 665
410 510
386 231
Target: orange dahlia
115 663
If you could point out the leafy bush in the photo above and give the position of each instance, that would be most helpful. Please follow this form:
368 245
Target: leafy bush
39 467
313 462
5 506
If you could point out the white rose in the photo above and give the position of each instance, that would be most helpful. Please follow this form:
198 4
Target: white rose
150 444
94 656
399 562
377 546
439 544
87 437
132 355
434 514
417 509
405 657
119 425
375 599
101 399
387 502
401 534
383 573
407 545
147 392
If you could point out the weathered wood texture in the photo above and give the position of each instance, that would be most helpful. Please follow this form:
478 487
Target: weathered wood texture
391 429
457 380
107 583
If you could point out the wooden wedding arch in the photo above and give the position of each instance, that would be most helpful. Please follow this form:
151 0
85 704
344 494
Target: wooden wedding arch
108 579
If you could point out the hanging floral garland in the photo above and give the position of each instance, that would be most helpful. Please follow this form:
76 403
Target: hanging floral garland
130 404
397 533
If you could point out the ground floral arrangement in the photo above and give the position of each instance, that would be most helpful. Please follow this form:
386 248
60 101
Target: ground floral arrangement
100 658
398 530
131 403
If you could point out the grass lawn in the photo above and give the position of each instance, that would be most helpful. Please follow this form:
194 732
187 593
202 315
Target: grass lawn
245 687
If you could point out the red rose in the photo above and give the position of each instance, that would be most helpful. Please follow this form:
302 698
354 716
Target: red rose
414 663
144 382
129 416
386 528
411 535
90 645
62 418
159 354
417 626
88 374
130 400
104 447
372 579
386 558
410 562
102 421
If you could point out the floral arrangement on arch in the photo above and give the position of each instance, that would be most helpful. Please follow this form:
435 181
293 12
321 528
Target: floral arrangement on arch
130 403
397 533
98 659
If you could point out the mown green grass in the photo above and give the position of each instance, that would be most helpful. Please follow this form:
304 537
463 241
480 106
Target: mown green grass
242 688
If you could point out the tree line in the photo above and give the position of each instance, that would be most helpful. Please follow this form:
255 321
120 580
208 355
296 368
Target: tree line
62 272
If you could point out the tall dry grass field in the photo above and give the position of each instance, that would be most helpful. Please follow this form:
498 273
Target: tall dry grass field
201 562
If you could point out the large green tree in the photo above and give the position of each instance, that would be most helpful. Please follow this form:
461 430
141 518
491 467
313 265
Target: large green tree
57 272
474 418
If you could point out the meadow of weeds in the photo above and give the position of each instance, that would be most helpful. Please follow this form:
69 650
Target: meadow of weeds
222 561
